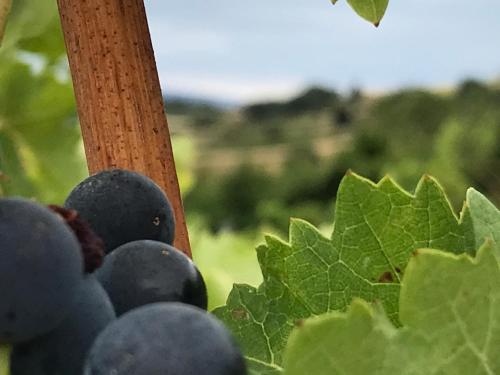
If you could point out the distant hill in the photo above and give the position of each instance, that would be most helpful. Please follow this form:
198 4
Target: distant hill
313 99
181 104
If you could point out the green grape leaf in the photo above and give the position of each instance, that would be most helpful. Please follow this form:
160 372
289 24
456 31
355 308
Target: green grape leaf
370 10
4 12
377 229
485 218
450 309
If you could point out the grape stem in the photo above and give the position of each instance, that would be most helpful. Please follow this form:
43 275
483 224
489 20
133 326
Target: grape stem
118 94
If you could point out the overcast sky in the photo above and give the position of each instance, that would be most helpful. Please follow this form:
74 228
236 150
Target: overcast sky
240 51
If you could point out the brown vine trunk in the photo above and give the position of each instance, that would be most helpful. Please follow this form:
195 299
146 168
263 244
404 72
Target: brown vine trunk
118 94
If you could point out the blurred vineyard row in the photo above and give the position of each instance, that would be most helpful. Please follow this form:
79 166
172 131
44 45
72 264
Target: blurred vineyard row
260 164
246 170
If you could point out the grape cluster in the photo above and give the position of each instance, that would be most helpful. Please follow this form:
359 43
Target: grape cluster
142 312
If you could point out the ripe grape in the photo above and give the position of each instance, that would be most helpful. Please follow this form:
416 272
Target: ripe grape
63 350
146 271
123 206
165 339
41 268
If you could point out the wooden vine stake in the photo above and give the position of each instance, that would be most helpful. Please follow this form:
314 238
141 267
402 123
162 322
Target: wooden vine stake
118 94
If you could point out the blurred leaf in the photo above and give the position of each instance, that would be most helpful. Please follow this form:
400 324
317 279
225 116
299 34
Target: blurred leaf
485 218
41 152
377 229
4 360
224 259
442 333
4 12
370 10
185 157
35 26
13 179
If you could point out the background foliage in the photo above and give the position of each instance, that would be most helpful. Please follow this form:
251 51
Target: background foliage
40 145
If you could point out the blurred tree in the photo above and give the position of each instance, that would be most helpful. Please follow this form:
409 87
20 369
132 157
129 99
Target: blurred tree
230 202
412 111
262 111
313 99
201 114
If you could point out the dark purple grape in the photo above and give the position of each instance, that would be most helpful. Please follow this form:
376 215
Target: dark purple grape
123 206
145 271
41 268
165 339
63 350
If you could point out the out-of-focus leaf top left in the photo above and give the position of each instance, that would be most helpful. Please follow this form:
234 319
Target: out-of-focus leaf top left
4 12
